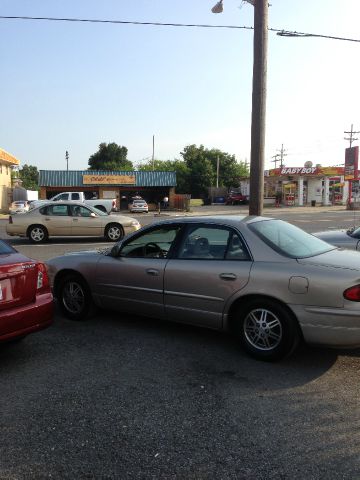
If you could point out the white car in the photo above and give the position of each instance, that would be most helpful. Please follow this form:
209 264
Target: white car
19 206
139 206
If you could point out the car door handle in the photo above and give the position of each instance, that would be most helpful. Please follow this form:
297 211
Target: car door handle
47 219
153 272
228 276
75 219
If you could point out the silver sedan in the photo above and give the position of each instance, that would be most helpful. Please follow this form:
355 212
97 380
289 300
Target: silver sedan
266 281
349 238
69 219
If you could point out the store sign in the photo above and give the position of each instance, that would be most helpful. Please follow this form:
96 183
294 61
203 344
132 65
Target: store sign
312 171
109 179
298 171
351 162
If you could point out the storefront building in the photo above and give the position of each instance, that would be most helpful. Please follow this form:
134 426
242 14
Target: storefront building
306 185
7 162
153 186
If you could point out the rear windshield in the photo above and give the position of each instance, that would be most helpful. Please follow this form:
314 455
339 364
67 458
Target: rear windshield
5 248
289 240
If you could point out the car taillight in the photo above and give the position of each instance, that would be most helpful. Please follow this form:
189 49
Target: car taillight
114 204
352 293
43 284
10 219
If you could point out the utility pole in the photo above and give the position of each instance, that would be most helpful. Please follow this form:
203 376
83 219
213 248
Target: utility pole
351 135
281 154
276 159
217 171
153 153
67 160
257 158
258 108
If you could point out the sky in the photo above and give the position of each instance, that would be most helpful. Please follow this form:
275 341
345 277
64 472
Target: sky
69 86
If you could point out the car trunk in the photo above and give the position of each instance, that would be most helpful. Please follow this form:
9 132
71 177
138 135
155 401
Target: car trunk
18 277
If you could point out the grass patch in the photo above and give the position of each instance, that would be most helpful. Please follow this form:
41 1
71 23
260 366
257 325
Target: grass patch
196 202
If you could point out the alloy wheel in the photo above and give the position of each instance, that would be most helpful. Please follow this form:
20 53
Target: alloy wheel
73 297
263 329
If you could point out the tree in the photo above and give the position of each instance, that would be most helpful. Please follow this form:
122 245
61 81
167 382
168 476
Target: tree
178 166
202 164
110 157
202 171
30 177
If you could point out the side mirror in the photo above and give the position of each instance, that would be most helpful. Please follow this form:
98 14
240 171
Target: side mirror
93 215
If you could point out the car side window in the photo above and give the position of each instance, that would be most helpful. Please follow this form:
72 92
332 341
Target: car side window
58 210
79 211
153 244
236 249
212 243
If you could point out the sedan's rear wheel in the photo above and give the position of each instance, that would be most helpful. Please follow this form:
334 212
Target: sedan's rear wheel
114 232
266 329
74 297
37 234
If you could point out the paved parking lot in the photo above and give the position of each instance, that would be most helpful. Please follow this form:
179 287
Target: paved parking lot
123 397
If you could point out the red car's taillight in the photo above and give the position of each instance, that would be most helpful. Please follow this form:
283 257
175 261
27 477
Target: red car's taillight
43 284
10 219
352 293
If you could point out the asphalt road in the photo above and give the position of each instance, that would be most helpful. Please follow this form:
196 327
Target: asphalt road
121 397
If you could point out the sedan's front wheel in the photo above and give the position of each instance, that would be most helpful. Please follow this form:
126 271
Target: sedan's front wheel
37 234
74 297
114 232
266 329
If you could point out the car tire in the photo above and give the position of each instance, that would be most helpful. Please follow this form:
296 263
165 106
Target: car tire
266 329
114 232
37 234
74 297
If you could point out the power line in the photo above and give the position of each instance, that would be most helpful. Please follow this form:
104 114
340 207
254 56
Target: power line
280 32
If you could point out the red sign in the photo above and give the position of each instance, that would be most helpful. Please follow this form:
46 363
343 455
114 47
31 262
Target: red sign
351 163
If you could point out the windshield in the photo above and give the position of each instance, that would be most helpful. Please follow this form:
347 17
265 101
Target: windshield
289 240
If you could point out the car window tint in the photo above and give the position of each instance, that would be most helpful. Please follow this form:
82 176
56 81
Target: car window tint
205 242
63 196
43 210
236 249
288 239
153 244
79 211
5 248
75 196
58 210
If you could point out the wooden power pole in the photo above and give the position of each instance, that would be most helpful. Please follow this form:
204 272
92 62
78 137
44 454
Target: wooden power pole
257 158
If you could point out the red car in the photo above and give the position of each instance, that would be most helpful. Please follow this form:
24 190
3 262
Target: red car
26 302
235 198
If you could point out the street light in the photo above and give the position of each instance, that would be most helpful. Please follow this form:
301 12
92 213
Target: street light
218 8
258 114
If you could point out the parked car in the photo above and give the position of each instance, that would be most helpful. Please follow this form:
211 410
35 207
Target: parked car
103 204
69 218
345 238
265 280
235 198
19 206
26 302
139 206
